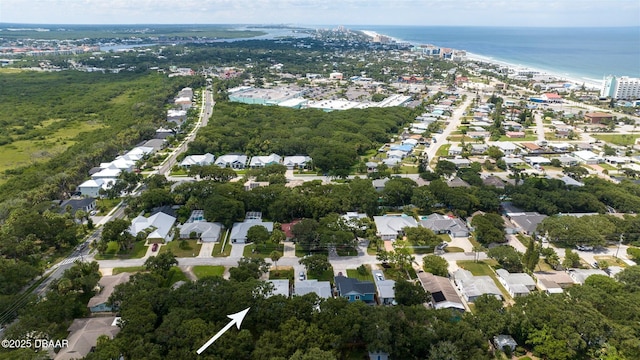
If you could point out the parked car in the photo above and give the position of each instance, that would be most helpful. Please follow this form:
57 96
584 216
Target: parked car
302 276
154 247
380 277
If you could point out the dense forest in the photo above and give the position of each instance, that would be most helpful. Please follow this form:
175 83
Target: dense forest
333 140
45 110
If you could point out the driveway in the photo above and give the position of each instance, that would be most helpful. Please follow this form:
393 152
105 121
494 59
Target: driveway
206 250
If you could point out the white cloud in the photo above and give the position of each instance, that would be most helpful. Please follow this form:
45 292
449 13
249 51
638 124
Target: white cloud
399 12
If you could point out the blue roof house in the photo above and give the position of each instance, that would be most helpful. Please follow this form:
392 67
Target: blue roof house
355 290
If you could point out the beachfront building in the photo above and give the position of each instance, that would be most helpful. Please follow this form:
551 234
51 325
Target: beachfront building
624 87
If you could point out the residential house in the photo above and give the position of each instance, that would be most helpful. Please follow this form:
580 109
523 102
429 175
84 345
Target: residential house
296 162
532 148
351 219
553 282
457 182
506 147
443 224
200 160
91 188
252 184
560 146
472 287
379 184
163 133
155 144
527 222
84 334
240 229
515 134
580 275
262 161
455 150
460 163
567 160
177 116
396 154
106 174
74 204
280 287
386 288
517 284
597 117
587 157
157 227
371 166
234 161
493 180
355 290
443 294
501 342
203 230
569 181
378 355
512 161
320 288
478 134
537 161
287 228
391 227
477 149
99 302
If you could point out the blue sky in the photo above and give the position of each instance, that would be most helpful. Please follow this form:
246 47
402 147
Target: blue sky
326 12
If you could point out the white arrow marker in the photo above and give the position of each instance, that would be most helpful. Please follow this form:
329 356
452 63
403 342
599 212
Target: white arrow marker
235 319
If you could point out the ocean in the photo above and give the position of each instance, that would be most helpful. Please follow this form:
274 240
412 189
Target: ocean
586 54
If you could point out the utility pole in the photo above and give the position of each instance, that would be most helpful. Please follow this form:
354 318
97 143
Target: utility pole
619 243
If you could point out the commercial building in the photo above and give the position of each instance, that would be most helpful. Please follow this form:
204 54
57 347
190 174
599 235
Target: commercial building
624 87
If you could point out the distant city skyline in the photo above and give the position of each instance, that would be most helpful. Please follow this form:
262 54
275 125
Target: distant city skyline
529 13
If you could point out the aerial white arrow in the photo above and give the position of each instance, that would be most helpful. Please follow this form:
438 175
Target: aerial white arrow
235 319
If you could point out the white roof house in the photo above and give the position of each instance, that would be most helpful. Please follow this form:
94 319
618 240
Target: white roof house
120 163
386 288
296 161
390 227
91 188
517 284
106 174
262 161
201 160
441 224
320 288
240 229
234 161
397 154
587 157
158 225
280 287
506 147
580 275
206 231
472 287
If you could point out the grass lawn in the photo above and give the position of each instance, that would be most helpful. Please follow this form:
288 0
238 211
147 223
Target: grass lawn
618 139
367 276
283 272
191 249
481 268
105 205
175 275
443 150
201 271
346 251
453 249
218 251
610 260
475 243
527 137
138 251
130 269
543 266
608 167
301 252
408 169
325 276
419 250
395 274
524 240
262 250
444 237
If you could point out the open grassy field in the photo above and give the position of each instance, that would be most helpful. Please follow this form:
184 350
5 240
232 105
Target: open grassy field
138 251
45 147
618 139
192 248
201 271
130 269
